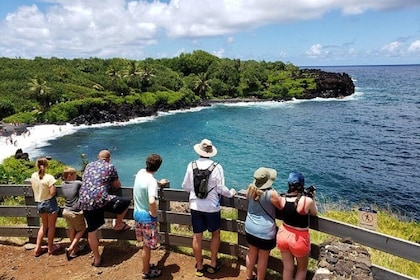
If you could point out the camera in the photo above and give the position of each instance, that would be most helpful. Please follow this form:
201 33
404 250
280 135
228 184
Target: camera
309 191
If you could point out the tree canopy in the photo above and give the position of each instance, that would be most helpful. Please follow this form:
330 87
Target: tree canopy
46 90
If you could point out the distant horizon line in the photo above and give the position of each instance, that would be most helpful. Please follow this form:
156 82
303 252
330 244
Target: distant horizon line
361 65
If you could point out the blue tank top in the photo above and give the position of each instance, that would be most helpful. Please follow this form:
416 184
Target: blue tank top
258 222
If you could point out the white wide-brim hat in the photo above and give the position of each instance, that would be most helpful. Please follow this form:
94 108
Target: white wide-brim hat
205 148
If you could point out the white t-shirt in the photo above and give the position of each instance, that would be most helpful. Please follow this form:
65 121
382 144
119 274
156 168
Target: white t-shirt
145 186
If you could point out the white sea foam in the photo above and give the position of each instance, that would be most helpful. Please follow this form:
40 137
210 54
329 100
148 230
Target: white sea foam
39 136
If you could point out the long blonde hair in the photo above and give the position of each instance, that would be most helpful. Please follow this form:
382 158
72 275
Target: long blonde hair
41 165
253 192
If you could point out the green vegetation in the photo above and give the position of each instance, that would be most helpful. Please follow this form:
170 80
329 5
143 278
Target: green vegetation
58 90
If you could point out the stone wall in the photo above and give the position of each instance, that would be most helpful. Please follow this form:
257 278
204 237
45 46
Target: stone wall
342 259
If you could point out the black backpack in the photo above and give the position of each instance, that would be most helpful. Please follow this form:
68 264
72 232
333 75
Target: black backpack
201 179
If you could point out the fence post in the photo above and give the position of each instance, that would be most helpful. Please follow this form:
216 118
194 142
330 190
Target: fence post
242 206
164 205
32 221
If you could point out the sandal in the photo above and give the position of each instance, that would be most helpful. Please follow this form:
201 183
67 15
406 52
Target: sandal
153 273
254 277
55 249
214 269
40 252
123 228
97 264
200 272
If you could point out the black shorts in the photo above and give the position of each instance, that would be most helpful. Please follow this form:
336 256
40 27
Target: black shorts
96 218
263 244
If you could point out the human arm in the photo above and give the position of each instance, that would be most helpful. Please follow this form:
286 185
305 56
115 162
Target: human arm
311 207
275 199
152 192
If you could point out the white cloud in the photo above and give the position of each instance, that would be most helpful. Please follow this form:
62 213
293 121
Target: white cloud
414 47
392 48
316 51
79 28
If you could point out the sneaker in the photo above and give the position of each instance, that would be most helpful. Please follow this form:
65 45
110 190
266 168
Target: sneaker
153 273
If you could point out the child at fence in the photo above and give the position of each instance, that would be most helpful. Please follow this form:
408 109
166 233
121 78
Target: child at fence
43 186
293 236
72 211
260 223
145 196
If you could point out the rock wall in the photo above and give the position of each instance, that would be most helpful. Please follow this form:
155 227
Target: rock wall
343 259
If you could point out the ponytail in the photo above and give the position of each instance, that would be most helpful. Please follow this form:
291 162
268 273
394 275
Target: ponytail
41 165
254 192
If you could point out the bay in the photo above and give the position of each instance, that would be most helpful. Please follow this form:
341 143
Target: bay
363 150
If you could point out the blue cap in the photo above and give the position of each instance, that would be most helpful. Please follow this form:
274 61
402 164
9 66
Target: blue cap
296 178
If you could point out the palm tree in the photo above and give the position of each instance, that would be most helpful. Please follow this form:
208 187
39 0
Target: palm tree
202 85
132 72
40 91
146 77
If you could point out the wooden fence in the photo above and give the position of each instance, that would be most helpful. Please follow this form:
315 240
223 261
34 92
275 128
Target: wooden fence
167 217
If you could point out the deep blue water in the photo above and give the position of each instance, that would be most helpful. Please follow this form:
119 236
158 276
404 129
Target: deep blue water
359 151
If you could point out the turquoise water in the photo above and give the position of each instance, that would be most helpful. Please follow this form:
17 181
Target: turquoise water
361 150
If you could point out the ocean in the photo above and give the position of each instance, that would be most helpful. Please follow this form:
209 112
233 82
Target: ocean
362 150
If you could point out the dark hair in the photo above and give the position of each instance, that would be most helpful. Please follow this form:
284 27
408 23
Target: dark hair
153 162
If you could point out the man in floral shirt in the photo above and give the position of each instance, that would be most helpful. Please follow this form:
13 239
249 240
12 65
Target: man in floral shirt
99 177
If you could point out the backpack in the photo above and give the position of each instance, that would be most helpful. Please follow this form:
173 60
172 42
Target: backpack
201 179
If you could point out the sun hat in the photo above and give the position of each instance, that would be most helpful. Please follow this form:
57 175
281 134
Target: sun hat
264 177
296 179
205 148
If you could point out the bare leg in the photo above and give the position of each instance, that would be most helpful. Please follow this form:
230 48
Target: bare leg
52 218
262 263
73 245
94 246
288 265
214 247
302 268
145 255
251 259
41 231
197 249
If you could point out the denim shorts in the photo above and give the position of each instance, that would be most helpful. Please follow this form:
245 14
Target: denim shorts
49 206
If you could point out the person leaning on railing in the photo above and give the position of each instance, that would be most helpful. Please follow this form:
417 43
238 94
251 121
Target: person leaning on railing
293 235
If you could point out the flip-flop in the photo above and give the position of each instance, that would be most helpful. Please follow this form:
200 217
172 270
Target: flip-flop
40 252
213 269
123 228
97 264
55 249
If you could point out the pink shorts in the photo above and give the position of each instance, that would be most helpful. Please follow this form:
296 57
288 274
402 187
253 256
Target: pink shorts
293 240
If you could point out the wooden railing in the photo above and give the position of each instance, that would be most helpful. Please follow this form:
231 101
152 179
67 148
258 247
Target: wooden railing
167 217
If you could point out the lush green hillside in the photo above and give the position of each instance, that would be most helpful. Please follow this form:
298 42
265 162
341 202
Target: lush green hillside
59 90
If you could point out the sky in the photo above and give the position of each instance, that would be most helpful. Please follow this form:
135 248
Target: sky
301 32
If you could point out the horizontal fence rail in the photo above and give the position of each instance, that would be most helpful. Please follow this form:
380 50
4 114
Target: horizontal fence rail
169 217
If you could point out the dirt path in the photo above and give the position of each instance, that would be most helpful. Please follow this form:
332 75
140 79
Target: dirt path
122 260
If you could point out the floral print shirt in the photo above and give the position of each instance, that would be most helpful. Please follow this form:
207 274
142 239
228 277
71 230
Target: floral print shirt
97 179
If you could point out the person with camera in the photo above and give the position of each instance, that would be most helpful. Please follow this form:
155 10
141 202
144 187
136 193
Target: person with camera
293 239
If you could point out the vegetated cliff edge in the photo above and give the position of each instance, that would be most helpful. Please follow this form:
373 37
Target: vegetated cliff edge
328 85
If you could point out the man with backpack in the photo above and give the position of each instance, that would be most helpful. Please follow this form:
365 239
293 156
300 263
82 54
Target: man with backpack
205 181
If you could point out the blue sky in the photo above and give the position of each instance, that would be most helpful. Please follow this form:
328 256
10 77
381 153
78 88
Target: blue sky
302 32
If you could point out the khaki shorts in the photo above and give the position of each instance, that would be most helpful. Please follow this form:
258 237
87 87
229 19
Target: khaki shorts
75 220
